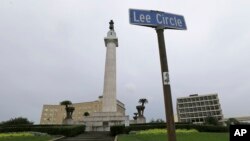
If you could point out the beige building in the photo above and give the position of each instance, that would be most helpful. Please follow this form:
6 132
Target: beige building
54 114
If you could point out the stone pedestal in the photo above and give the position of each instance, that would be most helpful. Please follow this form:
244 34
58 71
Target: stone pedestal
68 121
102 121
141 119
69 111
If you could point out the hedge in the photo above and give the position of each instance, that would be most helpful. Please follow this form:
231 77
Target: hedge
66 130
137 127
115 130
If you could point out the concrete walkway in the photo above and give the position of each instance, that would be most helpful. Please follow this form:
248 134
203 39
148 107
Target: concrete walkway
90 136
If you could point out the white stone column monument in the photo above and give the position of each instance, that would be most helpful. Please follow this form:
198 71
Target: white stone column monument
109 91
109 114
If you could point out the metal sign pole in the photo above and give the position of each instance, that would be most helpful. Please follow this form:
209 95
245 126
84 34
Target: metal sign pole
166 85
151 18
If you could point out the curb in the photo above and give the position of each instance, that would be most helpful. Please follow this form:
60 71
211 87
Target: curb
58 138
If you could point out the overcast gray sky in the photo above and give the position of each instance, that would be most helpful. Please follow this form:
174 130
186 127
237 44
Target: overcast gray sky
53 50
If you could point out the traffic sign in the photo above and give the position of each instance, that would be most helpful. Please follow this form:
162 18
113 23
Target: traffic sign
156 18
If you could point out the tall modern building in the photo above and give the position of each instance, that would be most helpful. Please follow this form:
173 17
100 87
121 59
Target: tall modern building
195 108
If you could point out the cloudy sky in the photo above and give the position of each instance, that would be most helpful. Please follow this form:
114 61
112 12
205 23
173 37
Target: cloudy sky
52 50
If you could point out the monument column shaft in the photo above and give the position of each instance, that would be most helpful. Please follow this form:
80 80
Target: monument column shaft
109 91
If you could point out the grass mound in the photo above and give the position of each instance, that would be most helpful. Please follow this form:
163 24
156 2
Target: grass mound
20 134
24 136
181 134
164 131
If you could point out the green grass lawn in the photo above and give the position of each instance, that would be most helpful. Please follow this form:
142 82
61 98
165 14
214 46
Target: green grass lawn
34 138
22 137
180 137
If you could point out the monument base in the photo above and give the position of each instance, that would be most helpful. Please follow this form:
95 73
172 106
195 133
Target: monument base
141 119
68 121
102 121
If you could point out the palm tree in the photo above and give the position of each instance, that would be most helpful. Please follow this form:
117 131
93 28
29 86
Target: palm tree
232 121
143 101
66 103
69 110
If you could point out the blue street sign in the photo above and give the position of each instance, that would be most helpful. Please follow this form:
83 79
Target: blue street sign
156 18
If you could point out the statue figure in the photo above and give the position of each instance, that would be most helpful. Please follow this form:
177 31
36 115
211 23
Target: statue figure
111 25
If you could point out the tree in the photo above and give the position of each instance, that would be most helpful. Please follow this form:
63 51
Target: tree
232 121
66 103
69 110
143 101
211 120
17 121
157 121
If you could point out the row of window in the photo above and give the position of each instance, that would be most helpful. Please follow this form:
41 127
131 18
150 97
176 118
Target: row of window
202 98
202 103
201 114
197 109
197 119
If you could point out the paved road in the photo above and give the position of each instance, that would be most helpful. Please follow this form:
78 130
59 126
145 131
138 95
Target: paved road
90 136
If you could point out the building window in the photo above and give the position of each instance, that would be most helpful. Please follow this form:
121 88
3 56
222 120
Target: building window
214 97
199 108
215 102
105 123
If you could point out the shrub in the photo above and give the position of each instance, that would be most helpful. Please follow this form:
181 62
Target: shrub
115 130
66 130
17 121
210 128
211 121
200 128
